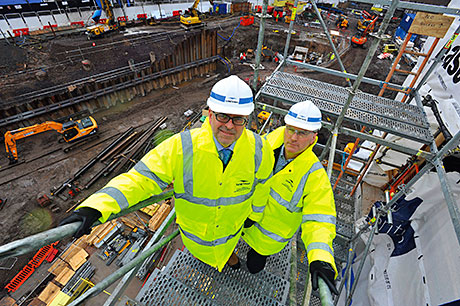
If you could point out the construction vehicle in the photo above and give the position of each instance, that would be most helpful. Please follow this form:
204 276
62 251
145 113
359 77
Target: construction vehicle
191 18
390 48
267 54
70 130
342 22
360 38
100 29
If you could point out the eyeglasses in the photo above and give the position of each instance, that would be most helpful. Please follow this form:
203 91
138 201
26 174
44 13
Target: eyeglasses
224 118
300 133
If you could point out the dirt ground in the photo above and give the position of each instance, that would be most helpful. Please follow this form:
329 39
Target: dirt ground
24 183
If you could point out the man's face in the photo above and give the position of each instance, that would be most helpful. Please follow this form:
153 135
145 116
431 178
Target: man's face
227 128
297 140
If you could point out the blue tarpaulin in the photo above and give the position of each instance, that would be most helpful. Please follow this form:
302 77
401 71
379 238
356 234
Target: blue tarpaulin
15 2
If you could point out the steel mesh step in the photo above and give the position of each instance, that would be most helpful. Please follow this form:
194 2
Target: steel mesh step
161 289
384 114
238 286
277 264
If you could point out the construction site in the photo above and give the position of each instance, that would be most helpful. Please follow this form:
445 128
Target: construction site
90 87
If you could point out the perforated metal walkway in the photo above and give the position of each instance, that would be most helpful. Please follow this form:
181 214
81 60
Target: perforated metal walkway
397 118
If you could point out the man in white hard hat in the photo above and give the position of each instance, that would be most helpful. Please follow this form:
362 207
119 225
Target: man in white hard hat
218 171
300 196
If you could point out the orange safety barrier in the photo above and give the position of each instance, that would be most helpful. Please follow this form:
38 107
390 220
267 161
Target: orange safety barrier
103 20
21 32
247 20
48 27
122 18
141 16
80 23
28 269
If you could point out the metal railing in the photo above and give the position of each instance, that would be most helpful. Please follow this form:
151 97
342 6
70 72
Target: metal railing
127 272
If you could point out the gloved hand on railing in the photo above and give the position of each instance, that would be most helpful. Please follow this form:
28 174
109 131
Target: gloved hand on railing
87 216
327 273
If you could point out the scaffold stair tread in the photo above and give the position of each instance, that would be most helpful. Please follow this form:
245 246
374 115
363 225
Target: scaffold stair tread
405 120
188 281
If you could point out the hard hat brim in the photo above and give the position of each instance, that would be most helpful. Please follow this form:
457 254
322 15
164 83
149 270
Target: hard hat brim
313 126
219 107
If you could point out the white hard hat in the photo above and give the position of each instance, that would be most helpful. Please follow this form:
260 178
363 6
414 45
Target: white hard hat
304 115
231 96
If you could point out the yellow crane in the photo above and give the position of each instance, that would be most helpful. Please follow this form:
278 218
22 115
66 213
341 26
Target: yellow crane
98 30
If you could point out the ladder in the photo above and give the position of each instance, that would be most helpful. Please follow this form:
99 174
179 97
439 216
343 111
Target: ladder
403 50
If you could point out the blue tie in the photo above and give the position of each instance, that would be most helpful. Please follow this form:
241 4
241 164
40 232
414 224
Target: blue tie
224 156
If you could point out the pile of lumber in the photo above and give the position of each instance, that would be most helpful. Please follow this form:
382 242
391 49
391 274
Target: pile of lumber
159 216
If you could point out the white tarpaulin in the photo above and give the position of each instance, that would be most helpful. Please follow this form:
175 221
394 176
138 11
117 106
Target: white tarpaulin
416 260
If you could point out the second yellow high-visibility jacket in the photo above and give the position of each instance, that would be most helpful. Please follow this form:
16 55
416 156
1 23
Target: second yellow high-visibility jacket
300 196
211 204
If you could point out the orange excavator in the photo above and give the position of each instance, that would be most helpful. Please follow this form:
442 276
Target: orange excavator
360 38
70 130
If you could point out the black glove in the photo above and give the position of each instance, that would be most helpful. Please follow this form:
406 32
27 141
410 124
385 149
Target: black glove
248 223
327 273
87 216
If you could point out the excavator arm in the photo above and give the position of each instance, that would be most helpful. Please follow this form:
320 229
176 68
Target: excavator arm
12 136
70 131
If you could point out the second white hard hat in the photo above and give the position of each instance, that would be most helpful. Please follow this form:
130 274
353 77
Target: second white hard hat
231 96
304 115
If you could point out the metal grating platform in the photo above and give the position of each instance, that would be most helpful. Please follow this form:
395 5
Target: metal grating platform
238 286
160 289
384 114
277 264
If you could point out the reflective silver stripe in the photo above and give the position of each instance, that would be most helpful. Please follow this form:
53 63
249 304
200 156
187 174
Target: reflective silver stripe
258 209
187 151
283 202
208 243
145 171
291 205
217 202
117 195
258 152
262 181
319 218
270 234
320 246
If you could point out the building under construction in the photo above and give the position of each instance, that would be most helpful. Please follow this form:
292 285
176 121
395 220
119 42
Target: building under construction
89 87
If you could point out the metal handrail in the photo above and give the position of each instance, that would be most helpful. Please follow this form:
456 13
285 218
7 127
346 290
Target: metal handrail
35 242
137 261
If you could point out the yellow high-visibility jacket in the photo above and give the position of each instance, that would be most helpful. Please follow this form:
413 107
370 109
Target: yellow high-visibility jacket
300 195
211 204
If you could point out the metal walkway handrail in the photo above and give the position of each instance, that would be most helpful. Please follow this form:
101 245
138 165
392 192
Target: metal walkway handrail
35 242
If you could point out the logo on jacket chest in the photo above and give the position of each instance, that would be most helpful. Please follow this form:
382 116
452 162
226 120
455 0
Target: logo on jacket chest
242 185
289 184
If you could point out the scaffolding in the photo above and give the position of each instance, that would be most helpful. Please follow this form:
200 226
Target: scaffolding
286 280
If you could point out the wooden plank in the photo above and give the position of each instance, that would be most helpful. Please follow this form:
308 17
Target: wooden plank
8 301
78 259
48 294
65 275
435 25
58 266
70 252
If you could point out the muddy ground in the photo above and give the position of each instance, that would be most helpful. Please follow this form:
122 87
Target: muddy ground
24 183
